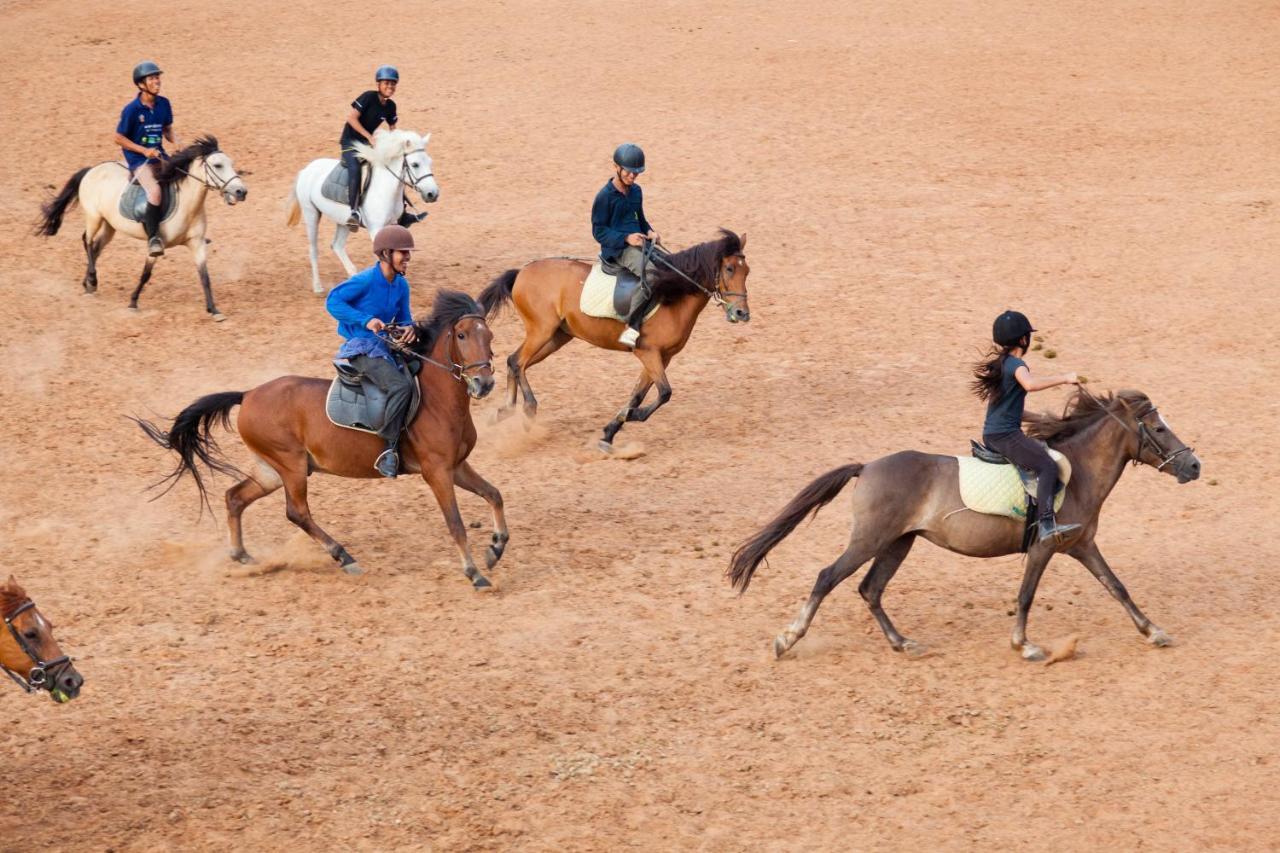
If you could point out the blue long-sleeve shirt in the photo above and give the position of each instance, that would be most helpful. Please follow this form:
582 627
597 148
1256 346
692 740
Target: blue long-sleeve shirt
356 301
614 216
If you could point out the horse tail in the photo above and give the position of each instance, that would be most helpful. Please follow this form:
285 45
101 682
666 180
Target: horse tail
295 210
811 499
51 214
190 438
498 292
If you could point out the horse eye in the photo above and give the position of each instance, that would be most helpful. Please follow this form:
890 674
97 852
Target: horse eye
1160 429
31 634
462 336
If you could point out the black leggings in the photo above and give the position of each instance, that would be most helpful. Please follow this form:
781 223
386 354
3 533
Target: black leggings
353 177
1027 453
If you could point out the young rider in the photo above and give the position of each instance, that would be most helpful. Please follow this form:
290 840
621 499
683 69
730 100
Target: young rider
364 305
144 123
1003 380
619 226
368 112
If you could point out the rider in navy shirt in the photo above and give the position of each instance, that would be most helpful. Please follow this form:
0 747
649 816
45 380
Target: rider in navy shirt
368 112
145 122
619 226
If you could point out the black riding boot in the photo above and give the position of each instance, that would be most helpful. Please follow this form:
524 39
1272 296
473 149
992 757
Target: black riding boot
353 201
388 463
1051 529
151 225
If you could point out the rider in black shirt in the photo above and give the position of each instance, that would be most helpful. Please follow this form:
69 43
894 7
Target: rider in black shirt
368 112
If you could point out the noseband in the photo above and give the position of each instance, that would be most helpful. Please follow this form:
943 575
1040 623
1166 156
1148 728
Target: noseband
38 678
1145 436
213 181
405 171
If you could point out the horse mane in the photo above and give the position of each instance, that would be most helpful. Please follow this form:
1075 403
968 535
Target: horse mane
1081 411
700 263
177 166
388 145
11 595
449 307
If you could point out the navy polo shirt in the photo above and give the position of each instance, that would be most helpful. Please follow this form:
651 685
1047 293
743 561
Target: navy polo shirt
145 126
614 216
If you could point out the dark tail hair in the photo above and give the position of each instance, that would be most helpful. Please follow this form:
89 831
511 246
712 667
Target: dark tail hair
51 213
190 438
987 373
811 499
498 292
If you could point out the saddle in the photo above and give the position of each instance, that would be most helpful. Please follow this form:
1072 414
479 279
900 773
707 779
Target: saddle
992 485
355 403
133 201
608 290
335 185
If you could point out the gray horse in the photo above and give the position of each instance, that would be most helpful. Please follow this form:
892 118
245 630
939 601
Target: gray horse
910 494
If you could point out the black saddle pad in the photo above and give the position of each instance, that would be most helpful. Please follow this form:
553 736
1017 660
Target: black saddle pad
355 403
133 201
334 187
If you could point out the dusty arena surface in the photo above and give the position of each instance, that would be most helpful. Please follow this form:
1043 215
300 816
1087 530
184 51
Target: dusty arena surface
902 172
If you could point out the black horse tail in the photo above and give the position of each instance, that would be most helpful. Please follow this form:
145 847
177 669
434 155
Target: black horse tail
811 499
51 214
190 438
498 292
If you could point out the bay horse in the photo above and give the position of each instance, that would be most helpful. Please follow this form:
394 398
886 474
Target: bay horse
398 161
547 294
911 494
192 172
284 425
28 652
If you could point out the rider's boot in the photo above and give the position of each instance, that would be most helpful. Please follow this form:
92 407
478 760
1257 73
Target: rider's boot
1051 529
408 219
388 462
151 225
353 201
635 316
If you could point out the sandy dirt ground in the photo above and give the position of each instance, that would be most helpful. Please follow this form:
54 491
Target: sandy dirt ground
902 172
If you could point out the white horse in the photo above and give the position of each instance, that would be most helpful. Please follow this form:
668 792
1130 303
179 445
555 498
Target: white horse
398 160
192 172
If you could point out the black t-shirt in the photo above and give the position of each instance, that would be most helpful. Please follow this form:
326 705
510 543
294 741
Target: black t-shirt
373 112
1004 410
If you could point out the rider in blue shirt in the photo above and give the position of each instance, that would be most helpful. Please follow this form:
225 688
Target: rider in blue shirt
364 305
619 226
145 122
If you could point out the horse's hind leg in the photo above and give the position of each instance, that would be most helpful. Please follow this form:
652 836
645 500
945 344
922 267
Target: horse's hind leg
239 497
96 236
297 511
1037 559
142 282
466 477
828 579
1093 560
872 588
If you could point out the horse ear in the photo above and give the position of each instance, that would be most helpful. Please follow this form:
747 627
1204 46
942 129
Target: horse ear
11 584
426 139
408 145
742 243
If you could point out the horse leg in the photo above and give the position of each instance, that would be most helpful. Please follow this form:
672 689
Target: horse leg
828 579
142 282
527 356
1093 560
339 246
200 251
1037 559
440 479
872 588
297 511
311 220
643 384
239 497
96 236
466 477
655 371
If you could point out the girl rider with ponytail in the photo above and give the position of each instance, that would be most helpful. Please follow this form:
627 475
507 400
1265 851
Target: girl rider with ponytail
1003 380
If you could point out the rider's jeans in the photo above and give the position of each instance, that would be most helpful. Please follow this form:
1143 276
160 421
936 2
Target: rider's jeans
1028 453
396 385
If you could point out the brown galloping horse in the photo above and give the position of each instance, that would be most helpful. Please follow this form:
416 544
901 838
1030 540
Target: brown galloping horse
910 494
547 294
284 425
28 652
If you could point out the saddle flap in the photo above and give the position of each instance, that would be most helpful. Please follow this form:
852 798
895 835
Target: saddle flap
335 184
607 295
986 454
133 201
355 403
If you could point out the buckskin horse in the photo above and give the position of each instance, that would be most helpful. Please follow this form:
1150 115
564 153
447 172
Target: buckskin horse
191 173
28 652
284 425
909 494
547 295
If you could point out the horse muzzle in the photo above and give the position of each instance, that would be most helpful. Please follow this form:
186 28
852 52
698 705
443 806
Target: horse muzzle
1187 468
63 683
231 195
429 191
478 387
737 314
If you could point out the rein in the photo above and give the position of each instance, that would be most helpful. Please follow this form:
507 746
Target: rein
37 679
717 296
213 182
1143 432
404 171
457 371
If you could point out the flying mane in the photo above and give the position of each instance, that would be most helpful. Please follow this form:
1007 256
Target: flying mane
700 263
177 166
1081 411
388 145
449 307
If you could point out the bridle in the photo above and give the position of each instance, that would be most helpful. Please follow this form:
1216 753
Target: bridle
38 678
1145 436
453 368
405 171
213 182
716 295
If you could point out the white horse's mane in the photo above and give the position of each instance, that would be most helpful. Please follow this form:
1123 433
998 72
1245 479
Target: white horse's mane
389 146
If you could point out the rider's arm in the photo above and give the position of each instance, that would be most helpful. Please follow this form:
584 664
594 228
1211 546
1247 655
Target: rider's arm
404 314
1030 383
353 119
341 302
125 142
610 239
645 227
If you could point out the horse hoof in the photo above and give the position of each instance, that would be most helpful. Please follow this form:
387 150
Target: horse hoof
481 584
1032 652
353 568
605 447
1159 638
912 649
491 557
782 644
244 558
218 316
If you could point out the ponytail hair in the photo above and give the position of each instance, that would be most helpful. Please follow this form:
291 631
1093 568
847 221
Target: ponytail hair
987 373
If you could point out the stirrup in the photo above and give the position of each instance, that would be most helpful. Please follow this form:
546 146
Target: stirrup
629 336
155 247
1051 529
353 222
388 463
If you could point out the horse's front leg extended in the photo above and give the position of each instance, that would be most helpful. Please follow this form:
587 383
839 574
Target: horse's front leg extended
200 251
1092 558
1037 559
643 384
466 477
440 479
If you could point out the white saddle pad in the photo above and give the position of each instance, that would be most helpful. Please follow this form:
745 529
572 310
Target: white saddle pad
597 296
998 490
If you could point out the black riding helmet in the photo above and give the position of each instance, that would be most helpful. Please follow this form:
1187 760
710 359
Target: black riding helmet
629 156
143 70
1010 328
